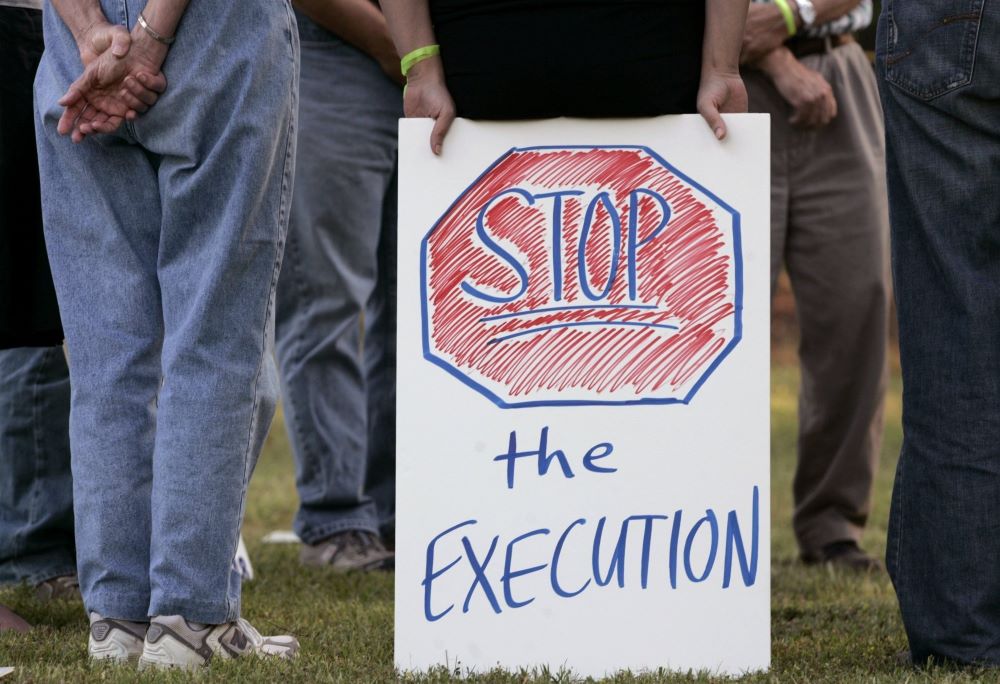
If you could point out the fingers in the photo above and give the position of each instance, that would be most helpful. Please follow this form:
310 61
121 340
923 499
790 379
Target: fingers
815 111
709 111
111 36
74 104
155 82
441 126
121 41
136 96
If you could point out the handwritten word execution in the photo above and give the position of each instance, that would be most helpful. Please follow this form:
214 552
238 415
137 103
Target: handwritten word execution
680 538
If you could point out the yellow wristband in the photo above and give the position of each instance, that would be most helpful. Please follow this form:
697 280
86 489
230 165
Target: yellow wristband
418 55
788 15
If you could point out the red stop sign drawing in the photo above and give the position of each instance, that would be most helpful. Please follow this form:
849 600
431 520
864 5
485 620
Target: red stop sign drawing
582 275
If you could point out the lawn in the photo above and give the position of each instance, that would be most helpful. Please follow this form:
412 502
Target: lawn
827 626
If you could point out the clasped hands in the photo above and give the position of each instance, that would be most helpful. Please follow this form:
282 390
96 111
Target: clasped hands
121 79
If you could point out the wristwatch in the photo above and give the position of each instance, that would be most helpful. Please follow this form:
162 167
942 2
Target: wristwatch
806 12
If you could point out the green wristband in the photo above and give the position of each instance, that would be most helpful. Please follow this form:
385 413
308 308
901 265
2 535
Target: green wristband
788 15
418 55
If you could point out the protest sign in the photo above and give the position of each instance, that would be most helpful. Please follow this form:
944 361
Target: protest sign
583 396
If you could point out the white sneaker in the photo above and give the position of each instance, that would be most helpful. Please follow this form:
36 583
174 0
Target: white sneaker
118 640
172 641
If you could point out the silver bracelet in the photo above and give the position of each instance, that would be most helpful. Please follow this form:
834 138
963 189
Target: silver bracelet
153 34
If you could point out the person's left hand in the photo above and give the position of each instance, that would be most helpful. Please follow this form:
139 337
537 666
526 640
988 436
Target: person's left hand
721 91
765 30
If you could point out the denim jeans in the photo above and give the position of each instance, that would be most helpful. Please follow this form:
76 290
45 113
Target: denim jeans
336 294
939 72
36 489
165 241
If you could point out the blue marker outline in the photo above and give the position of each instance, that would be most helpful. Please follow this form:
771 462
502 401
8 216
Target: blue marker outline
501 403
576 324
575 307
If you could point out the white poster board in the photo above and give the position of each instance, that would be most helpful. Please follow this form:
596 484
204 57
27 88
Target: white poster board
597 291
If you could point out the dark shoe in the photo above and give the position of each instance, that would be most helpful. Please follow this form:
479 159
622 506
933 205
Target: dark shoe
62 588
844 554
12 621
349 551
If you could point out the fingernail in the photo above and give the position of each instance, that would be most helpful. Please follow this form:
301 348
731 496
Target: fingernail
720 133
437 149
142 78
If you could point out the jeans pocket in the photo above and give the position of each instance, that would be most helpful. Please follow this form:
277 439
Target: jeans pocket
930 47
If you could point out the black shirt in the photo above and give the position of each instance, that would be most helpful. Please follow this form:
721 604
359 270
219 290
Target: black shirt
515 59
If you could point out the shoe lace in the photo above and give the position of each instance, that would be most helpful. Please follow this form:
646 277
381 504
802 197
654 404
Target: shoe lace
251 633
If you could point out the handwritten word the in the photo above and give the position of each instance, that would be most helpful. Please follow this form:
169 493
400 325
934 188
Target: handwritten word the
545 458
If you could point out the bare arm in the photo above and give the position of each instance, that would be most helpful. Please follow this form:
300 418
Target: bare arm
361 24
766 28
721 87
426 93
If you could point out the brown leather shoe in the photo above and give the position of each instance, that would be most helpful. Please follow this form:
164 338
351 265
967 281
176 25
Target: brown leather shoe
844 554
11 620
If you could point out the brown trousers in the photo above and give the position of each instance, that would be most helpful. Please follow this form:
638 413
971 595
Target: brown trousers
830 228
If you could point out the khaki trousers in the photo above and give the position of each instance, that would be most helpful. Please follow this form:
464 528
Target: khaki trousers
829 227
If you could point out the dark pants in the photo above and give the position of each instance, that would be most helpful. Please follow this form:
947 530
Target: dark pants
829 228
36 496
939 69
29 316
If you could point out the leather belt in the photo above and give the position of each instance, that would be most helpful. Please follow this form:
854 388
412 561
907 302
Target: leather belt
801 47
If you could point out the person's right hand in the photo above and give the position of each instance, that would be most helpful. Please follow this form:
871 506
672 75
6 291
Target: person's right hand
426 95
113 88
809 94
98 38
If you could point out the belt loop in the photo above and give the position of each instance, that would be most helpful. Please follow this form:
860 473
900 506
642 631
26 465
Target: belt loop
828 44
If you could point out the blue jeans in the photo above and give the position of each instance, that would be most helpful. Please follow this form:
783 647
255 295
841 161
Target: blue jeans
939 72
336 294
36 489
165 241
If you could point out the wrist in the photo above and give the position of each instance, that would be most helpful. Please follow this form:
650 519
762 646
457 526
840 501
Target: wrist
152 50
427 69
83 27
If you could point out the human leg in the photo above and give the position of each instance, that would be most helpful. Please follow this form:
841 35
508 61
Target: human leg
939 69
837 261
347 148
223 139
380 368
100 204
36 488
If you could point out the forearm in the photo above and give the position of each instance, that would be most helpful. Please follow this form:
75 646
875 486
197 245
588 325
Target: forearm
828 10
409 24
776 62
724 23
79 15
163 16
359 22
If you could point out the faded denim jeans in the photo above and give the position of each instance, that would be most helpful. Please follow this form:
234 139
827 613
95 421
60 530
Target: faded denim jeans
165 241
336 295
939 72
36 489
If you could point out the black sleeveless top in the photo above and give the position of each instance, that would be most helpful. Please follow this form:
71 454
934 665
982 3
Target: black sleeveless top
517 59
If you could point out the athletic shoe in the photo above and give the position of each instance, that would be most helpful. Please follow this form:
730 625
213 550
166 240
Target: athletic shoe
349 551
172 641
118 640
66 587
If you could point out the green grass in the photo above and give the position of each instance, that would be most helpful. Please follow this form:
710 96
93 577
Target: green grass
827 626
